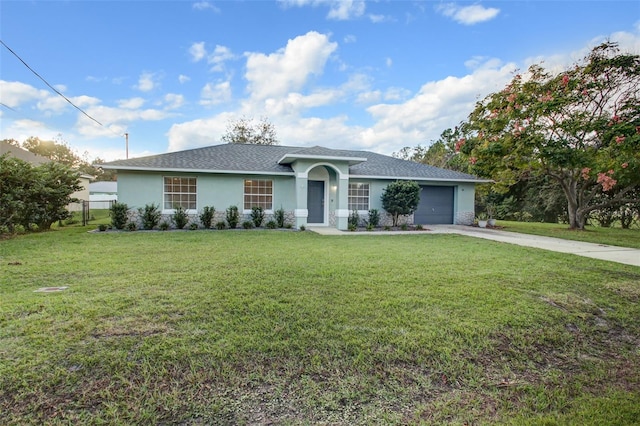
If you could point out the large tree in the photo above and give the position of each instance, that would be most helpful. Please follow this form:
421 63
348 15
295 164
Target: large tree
580 127
245 131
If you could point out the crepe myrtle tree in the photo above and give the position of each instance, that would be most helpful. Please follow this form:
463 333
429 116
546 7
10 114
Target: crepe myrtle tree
580 127
400 198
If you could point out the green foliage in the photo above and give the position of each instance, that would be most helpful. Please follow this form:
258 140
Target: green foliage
353 220
404 227
244 131
193 226
232 216
401 198
180 217
374 218
303 228
419 227
150 216
257 216
164 226
221 225
279 217
272 224
207 215
118 212
35 194
247 224
102 227
131 226
579 127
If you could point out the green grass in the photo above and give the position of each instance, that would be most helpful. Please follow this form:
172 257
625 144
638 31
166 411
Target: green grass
592 234
259 327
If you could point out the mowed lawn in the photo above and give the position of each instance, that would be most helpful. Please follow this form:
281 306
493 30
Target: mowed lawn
293 328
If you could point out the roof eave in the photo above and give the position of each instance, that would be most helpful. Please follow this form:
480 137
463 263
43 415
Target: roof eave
183 170
290 158
426 179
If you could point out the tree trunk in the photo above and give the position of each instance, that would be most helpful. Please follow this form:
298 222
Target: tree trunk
576 215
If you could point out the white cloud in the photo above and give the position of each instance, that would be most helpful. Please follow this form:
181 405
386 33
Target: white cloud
15 93
340 10
220 55
173 101
468 15
205 5
377 19
147 82
388 62
197 51
288 69
133 103
214 94
183 78
350 38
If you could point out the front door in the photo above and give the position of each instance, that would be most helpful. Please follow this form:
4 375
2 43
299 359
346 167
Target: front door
315 201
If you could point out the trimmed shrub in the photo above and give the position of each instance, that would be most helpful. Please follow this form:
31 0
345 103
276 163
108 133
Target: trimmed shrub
232 217
118 213
353 220
102 227
206 217
247 224
193 226
150 215
257 216
131 226
221 225
272 224
374 218
164 226
279 217
180 217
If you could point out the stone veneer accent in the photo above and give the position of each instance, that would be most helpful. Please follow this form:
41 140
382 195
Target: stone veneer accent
465 218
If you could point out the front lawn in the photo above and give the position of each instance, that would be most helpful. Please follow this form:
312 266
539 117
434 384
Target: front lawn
613 236
260 327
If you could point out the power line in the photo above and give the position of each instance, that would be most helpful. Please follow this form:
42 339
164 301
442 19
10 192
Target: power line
47 83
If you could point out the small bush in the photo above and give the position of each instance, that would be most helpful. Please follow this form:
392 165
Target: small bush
351 227
419 227
288 226
374 218
33 227
193 226
353 220
404 226
232 217
279 217
206 217
19 229
102 227
118 213
272 224
164 226
131 226
221 225
150 215
247 224
369 227
303 228
180 217
4 229
257 216
387 228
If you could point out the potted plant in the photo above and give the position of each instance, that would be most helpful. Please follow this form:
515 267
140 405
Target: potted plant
491 211
482 220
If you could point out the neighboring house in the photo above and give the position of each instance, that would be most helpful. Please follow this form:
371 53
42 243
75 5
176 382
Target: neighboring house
314 185
36 160
102 194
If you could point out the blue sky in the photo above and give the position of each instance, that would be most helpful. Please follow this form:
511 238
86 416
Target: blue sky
372 75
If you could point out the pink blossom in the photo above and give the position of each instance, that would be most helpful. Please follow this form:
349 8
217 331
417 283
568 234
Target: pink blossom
565 80
585 92
616 118
620 139
625 165
606 181
460 144
473 160
547 97
585 173
511 97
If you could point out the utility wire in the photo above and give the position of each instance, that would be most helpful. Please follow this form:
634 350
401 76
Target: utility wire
47 83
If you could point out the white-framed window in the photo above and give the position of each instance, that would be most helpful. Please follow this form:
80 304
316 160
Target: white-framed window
179 191
358 196
258 193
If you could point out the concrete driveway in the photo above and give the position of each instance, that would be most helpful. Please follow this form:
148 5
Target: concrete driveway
628 256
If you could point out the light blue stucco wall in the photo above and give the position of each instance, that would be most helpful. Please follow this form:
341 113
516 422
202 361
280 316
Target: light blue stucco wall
137 189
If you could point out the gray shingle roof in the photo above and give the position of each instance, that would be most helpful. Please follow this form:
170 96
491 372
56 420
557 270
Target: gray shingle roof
263 159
